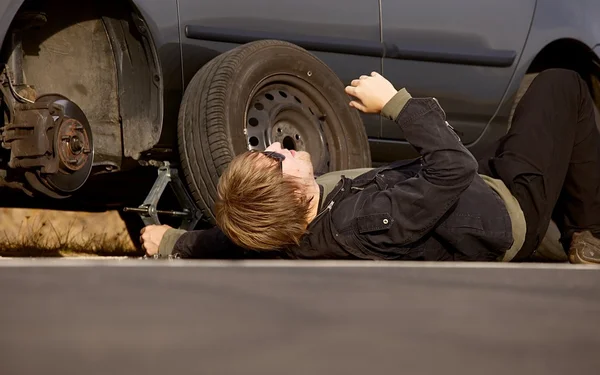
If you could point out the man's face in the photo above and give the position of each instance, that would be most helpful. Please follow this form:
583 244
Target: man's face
296 163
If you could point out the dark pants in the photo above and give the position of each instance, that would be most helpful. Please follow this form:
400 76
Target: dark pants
550 158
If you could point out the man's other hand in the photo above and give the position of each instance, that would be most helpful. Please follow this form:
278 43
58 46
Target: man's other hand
373 92
151 237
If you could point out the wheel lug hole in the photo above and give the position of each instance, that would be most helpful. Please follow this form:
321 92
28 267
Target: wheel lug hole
269 96
288 142
278 130
259 106
297 137
253 141
283 94
253 121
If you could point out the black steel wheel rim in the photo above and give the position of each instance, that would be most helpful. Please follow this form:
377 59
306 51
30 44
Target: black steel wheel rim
290 110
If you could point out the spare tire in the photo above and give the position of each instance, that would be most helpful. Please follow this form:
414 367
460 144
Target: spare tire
257 94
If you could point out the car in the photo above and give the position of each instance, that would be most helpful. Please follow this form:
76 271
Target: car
97 94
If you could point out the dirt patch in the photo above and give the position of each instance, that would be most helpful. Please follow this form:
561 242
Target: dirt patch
32 232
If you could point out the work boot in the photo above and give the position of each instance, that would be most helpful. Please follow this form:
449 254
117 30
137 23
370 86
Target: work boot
585 248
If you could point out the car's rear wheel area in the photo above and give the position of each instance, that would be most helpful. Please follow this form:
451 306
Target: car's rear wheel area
550 249
259 93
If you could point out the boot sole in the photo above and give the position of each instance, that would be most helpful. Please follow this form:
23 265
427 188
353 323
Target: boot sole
576 259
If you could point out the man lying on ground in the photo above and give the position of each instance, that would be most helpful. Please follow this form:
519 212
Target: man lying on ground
442 206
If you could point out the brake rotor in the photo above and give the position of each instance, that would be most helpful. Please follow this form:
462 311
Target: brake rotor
73 146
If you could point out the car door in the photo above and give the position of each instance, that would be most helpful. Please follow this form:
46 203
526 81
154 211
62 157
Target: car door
345 35
462 52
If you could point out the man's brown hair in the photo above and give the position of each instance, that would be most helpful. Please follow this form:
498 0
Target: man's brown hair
258 207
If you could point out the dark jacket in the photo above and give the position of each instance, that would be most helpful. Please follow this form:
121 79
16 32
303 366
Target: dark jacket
433 208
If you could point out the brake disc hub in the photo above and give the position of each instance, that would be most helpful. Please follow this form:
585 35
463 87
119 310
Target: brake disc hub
73 145
51 140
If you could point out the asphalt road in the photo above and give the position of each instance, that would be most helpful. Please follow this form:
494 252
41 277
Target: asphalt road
182 317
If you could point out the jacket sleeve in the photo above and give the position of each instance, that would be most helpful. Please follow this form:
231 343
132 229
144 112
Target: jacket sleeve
213 244
206 244
416 204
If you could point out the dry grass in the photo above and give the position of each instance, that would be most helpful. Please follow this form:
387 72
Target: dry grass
45 233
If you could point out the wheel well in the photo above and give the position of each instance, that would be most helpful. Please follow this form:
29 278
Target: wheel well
574 55
75 53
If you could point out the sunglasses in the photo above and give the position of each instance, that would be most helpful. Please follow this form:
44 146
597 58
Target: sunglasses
274 156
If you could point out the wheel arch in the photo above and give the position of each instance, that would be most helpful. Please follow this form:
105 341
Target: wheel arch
538 55
572 54
564 53
137 84
8 12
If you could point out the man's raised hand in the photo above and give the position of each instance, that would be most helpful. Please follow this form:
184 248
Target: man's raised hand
373 92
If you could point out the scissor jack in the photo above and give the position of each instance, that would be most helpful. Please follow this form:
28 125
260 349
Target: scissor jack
148 210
